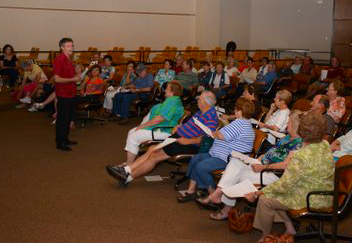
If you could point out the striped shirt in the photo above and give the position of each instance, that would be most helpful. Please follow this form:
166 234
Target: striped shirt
191 130
238 136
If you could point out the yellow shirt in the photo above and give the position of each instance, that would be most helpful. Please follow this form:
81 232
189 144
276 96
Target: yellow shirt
32 74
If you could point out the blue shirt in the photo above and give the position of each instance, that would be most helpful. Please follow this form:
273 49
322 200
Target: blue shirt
191 130
268 78
146 82
238 136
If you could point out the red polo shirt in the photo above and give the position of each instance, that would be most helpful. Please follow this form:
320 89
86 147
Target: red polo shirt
64 68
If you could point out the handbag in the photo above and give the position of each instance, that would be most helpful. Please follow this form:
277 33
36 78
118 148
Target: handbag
239 222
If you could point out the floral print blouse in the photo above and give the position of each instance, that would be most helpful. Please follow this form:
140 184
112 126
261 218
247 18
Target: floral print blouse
311 169
337 108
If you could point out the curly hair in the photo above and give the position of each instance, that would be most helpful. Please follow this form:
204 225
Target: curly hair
312 127
246 106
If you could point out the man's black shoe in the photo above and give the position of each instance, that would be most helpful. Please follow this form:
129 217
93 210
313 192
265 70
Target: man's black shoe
70 143
64 148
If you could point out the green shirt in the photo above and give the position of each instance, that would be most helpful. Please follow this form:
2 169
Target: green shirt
171 110
187 79
311 169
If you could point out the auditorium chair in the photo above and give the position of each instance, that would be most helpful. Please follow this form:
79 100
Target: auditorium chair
345 121
87 108
302 105
145 104
341 196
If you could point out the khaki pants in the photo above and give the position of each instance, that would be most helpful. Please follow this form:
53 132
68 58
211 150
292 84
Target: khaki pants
269 211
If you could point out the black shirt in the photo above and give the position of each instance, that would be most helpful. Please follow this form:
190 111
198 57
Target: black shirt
9 63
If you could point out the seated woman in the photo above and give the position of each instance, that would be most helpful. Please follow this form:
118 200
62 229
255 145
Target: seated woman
249 74
165 75
263 84
307 66
220 80
285 74
167 113
311 168
92 87
231 69
263 69
337 106
9 64
335 72
188 137
251 94
296 65
277 117
107 71
276 157
204 76
237 136
342 146
128 78
33 75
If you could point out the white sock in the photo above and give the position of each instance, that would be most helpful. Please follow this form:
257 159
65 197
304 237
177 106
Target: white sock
128 169
129 178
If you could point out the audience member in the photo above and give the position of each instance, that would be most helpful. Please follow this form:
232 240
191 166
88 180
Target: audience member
107 71
92 87
231 69
277 117
263 69
139 89
337 107
205 76
9 64
166 114
310 169
342 146
187 78
220 80
237 136
188 137
276 157
128 78
165 75
263 83
178 64
285 74
307 67
296 66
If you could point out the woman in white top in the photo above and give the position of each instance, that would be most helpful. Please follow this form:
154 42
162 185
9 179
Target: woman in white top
278 115
296 65
231 70
249 74
342 146
220 80
264 68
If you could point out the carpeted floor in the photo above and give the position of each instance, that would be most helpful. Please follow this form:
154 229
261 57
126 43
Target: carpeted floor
49 196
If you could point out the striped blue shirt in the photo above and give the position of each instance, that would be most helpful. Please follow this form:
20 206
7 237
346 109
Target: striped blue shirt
191 130
238 136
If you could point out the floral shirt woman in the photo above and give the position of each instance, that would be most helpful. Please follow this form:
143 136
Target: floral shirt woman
337 108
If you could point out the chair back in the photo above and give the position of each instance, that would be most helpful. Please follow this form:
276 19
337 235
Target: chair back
262 114
260 137
154 91
302 105
343 181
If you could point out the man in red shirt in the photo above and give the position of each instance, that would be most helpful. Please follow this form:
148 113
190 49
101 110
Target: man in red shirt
65 88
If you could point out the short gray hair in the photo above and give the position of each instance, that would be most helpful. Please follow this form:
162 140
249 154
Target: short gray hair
209 97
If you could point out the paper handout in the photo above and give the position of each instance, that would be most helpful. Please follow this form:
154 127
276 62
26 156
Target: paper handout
240 189
244 158
254 121
323 74
274 133
165 143
203 127
153 178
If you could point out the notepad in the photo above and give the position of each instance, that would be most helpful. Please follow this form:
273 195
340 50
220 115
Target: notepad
244 158
165 143
203 127
323 74
274 133
153 178
240 189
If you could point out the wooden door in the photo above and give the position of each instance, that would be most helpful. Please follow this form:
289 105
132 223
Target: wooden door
342 37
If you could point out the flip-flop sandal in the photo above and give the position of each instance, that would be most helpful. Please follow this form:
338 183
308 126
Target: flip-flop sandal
209 206
187 197
218 216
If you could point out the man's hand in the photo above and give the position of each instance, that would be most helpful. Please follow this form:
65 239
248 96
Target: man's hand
183 141
174 130
261 125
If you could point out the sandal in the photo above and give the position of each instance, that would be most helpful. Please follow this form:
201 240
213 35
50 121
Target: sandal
187 197
209 205
218 216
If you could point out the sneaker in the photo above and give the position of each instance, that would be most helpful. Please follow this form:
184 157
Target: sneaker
32 109
20 106
26 100
39 106
118 173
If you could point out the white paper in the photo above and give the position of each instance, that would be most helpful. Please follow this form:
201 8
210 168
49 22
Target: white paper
274 133
165 143
244 158
203 127
183 193
125 90
323 74
153 178
254 121
240 189
219 110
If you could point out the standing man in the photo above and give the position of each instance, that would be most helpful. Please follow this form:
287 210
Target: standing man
65 88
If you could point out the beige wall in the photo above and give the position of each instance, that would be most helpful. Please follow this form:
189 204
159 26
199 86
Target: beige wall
43 28
291 24
235 22
207 32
